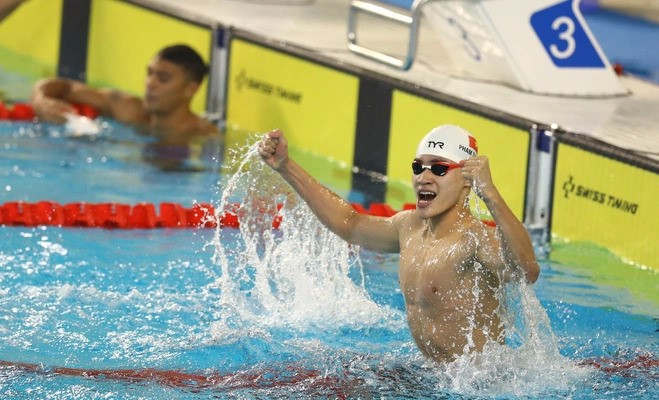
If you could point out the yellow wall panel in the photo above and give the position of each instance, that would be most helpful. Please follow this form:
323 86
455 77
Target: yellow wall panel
315 106
606 202
29 38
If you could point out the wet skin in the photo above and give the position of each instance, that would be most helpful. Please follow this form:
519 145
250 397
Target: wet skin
451 300
451 264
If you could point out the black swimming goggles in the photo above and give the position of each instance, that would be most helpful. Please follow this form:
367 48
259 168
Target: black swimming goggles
439 168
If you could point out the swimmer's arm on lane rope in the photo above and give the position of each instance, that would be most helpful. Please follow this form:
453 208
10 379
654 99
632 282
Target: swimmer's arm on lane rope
52 98
512 241
49 99
375 233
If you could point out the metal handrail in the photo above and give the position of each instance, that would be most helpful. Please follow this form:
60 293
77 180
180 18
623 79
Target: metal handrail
409 18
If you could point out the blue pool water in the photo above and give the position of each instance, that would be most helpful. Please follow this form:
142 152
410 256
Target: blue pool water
615 31
90 313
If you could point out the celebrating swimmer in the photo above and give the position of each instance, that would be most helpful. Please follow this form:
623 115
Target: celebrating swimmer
452 266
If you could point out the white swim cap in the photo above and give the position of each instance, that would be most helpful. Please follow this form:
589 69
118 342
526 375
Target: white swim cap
448 141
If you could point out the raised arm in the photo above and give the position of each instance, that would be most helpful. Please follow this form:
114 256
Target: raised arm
376 233
514 243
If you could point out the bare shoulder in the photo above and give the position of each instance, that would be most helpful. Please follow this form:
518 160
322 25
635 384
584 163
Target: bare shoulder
123 99
489 245
406 219
124 107
484 234
206 128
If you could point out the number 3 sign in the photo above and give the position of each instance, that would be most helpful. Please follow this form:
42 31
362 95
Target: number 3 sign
564 38
549 47
539 46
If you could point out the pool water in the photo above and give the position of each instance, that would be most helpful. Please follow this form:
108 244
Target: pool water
614 31
89 313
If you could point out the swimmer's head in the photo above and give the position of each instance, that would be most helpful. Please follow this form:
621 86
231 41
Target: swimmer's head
187 58
450 142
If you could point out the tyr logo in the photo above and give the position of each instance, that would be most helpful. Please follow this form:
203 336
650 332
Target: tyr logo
435 145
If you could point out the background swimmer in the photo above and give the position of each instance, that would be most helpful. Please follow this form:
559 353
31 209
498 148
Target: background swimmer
173 77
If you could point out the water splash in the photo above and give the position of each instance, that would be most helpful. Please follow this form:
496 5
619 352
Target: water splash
296 277
303 277
530 364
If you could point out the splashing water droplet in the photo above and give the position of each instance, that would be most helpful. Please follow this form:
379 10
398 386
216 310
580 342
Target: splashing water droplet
302 276
299 276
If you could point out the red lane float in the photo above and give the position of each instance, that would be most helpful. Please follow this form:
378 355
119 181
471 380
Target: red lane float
144 215
290 376
138 216
16 112
110 215
24 111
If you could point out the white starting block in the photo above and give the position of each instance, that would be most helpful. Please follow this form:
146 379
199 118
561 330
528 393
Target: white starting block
540 46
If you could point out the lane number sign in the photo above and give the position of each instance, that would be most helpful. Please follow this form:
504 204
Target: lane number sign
564 38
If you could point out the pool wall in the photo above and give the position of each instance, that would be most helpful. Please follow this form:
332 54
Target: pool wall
604 195
105 43
561 184
30 39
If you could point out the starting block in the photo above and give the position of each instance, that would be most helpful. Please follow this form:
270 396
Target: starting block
539 46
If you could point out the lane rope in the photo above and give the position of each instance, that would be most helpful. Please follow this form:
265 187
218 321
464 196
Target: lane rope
141 215
25 112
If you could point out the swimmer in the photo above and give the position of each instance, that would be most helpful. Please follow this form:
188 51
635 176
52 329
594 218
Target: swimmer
452 266
173 77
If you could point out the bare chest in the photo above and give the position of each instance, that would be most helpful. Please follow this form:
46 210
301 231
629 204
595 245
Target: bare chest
437 271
